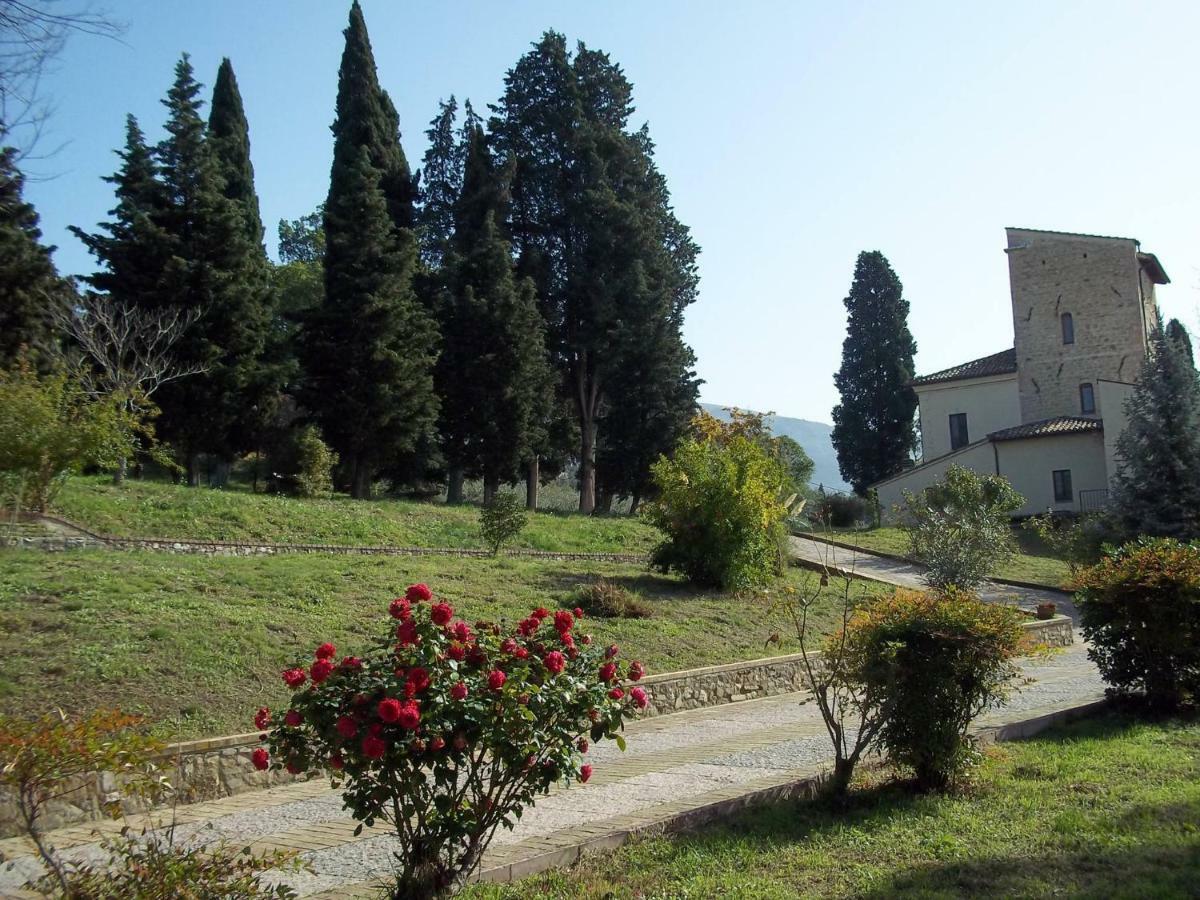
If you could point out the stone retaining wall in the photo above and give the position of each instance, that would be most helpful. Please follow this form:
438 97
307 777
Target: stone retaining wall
220 767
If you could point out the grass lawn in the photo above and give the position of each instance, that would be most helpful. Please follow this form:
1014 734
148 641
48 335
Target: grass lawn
160 509
197 644
1033 562
1107 808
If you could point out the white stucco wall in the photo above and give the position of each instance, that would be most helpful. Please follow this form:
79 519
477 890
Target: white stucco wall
978 456
1029 466
990 404
1113 394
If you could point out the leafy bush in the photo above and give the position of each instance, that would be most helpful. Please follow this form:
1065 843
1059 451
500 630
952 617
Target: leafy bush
840 510
315 463
447 731
1140 611
1077 540
501 520
960 528
935 662
609 600
721 509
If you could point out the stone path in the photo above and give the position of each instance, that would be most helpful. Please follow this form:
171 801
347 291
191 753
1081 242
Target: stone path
905 574
676 766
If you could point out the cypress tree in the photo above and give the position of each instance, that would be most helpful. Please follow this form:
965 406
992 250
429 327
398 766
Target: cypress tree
1157 487
873 430
29 283
441 183
1179 334
368 351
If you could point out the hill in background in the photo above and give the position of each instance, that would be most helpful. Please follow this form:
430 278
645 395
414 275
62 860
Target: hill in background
814 437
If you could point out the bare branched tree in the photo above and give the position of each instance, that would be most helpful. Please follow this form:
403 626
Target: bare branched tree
127 350
33 34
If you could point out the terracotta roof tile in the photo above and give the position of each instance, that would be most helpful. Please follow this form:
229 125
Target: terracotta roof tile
1048 428
1002 363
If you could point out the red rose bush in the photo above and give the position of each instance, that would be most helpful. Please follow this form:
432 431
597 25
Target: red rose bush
446 731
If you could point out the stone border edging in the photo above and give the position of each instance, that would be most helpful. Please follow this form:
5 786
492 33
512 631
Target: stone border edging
262 548
898 557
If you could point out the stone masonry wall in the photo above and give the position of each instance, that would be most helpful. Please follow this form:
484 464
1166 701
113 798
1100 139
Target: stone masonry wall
1099 282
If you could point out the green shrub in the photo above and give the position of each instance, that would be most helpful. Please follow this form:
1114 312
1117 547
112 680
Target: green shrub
721 510
1140 609
608 600
315 463
1076 540
840 510
501 520
934 662
959 528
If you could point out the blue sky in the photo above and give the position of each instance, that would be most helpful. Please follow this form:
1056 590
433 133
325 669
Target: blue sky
793 135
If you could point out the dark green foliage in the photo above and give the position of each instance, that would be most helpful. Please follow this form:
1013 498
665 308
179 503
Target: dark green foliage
797 462
1140 608
303 239
1179 334
934 662
29 284
873 429
229 134
442 180
839 510
1157 486
369 349
500 520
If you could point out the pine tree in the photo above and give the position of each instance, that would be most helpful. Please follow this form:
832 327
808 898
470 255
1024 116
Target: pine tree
29 284
873 430
368 351
1179 334
1157 487
495 375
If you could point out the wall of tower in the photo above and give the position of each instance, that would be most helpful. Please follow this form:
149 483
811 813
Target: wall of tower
1100 283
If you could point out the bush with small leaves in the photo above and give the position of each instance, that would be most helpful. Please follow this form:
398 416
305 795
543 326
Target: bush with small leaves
501 520
609 600
1140 612
447 730
315 463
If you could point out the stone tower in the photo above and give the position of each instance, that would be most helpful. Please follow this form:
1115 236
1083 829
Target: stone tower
1083 311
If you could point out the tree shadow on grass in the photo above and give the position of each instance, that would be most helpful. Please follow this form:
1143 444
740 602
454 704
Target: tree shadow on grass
647 585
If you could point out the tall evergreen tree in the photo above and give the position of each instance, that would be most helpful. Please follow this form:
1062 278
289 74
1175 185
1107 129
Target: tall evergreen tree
873 430
29 284
1157 487
1179 334
368 351
441 183
495 376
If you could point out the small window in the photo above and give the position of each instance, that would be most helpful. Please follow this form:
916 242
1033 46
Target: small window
958 431
1068 328
1087 398
1062 486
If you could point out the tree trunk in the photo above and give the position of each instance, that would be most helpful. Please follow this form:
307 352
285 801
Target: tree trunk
587 465
839 781
454 486
193 469
360 483
491 484
603 504
119 474
532 483
635 503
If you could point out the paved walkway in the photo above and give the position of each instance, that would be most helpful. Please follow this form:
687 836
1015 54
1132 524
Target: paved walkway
675 765
906 574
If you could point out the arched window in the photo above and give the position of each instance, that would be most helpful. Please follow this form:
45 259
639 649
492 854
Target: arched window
1068 328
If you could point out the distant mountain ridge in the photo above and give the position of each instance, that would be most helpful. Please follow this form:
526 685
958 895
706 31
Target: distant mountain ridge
814 437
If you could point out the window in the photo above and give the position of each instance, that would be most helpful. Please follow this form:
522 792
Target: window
958 431
1068 328
1087 398
1062 486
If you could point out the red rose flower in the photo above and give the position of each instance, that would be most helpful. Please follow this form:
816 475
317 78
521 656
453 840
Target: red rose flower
320 670
459 691
567 640
616 693
438 743
346 727
325 651
460 742
462 632
406 633
410 690
389 710
262 718
594 715
572 652
496 679
373 747
293 719
585 772
294 767
418 678
636 671
639 697
261 759
578 612
336 762
608 671
540 613
351 663
564 621
528 627
400 608
456 651
555 662
293 678
611 652
417 593
508 645
521 653
410 716
583 745
441 613
476 656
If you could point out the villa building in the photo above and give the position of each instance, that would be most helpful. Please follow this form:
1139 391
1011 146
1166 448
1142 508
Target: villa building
1046 413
